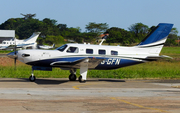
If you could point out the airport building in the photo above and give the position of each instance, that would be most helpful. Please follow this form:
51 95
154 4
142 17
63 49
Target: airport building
6 35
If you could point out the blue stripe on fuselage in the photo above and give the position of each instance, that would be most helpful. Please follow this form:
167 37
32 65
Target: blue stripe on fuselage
108 63
47 62
114 63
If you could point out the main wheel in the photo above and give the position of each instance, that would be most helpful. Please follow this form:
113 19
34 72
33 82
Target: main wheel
81 80
72 77
32 78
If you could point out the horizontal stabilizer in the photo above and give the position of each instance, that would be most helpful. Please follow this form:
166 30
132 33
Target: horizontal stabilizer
157 57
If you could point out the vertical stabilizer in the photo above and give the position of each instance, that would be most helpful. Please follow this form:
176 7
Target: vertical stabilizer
33 38
158 35
156 39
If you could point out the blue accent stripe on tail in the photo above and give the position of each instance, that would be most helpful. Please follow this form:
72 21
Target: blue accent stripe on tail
161 32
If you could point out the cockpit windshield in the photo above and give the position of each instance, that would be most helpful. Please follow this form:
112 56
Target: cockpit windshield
62 48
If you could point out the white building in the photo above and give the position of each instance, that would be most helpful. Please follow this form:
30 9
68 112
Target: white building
6 35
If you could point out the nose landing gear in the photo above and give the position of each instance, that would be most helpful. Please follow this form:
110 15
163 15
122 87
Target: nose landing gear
32 78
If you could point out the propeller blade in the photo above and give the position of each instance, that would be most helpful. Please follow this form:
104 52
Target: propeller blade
15 46
15 62
15 53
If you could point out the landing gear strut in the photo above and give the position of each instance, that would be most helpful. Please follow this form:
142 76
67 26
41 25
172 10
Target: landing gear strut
81 80
72 76
32 78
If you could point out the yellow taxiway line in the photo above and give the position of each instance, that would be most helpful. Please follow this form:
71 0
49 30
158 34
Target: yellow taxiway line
137 105
77 86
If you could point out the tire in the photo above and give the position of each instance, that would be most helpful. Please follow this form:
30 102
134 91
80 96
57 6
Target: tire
32 78
81 80
72 77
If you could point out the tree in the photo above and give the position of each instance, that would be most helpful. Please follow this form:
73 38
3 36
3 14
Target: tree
62 27
139 30
172 37
50 39
119 35
28 16
96 28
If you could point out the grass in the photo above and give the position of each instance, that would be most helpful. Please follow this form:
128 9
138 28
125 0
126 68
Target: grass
162 69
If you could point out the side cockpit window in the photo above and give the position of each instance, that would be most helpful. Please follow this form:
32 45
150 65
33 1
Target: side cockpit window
62 48
72 50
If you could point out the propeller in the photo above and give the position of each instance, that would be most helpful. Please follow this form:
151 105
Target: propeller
15 58
13 54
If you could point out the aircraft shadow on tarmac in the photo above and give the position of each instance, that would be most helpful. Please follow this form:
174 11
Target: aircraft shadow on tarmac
112 80
50 81
53 81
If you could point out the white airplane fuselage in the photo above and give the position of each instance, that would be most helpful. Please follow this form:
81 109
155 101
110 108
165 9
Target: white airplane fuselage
113 56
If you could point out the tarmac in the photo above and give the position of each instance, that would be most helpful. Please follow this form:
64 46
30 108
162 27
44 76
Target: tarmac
54 95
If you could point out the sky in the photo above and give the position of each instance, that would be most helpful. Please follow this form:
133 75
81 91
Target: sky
78 13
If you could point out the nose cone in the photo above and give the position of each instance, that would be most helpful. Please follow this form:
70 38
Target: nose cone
12 55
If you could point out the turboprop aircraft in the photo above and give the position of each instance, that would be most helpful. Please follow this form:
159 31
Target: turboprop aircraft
86 56
30 42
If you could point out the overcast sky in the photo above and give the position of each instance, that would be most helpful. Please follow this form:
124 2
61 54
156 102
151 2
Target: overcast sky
78 13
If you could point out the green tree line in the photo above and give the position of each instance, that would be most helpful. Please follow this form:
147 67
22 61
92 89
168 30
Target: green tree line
53 32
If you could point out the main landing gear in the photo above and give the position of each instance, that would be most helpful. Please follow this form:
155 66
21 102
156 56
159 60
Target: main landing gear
72 76
81 80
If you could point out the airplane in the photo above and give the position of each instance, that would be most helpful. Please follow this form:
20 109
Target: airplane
30 42
101 57
46 47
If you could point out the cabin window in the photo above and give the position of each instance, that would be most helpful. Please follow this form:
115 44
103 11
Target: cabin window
89 51
72 50
102 52
114 53
62 48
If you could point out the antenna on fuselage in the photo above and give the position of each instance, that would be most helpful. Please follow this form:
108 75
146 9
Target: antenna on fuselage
103 38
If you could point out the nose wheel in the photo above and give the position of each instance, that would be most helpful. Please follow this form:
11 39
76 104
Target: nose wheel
32 78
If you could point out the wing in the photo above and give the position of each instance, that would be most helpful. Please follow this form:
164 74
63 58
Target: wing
92 63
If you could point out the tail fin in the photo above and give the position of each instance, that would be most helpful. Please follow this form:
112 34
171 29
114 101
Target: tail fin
33 38
53 45
158 36
156 39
